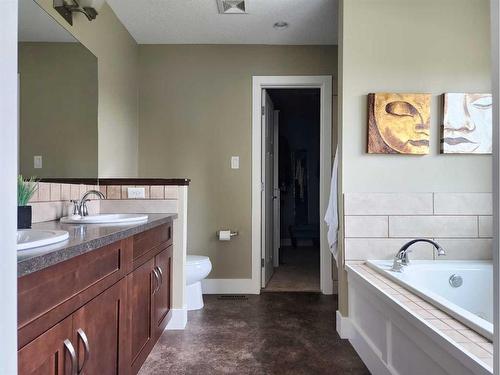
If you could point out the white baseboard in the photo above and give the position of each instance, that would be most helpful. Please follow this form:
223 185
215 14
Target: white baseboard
343 326
229 286
177 319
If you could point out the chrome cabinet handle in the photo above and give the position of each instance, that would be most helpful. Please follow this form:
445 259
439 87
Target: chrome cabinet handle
71 350
161 274
157 278
82 336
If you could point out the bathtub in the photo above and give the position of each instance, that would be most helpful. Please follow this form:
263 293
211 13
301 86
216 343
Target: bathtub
471 303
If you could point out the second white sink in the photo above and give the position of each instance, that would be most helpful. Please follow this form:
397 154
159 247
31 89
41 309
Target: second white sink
104 219
30 238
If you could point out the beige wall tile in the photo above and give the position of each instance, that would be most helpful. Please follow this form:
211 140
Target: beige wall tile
485 226
34 198
463 203
75 192
157 192
388 204
47 211
140 206
171 192
383 248
43 192
433 226
366 226
124 190
65 192
102 189
114 192
466 249
55 192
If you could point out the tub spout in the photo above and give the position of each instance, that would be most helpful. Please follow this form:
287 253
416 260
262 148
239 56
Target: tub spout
402 259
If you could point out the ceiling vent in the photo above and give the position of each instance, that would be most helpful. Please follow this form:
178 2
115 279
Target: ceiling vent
232 6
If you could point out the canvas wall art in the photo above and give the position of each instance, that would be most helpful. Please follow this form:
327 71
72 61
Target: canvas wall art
399 123
467 124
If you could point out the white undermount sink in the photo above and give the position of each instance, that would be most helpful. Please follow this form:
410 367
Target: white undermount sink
104 219
30 238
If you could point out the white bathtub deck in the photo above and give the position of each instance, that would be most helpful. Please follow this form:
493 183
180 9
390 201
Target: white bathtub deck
473 344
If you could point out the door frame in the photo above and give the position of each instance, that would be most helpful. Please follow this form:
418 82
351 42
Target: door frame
324 83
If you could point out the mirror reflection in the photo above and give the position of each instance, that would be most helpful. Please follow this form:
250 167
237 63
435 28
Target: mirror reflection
58 135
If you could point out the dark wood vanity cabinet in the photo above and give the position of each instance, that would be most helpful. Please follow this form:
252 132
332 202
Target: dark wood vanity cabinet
97 313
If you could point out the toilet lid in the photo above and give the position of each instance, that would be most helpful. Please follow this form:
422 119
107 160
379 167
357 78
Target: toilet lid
196 259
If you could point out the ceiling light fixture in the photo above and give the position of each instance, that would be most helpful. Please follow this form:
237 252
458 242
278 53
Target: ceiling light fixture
89 8
281 25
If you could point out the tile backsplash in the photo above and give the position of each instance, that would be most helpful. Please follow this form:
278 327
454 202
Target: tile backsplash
52 200
378 224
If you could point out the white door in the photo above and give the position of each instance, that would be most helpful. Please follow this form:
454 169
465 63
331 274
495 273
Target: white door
276 192
267 188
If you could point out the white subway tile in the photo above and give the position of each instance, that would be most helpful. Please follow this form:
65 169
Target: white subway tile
463 204
485 226
388 204
466 248
383 248
366 226
433 226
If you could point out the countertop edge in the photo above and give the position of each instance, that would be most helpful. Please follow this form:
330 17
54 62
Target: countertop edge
38 263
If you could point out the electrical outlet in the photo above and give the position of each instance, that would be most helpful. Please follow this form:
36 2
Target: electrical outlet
37 162
235 162
136 193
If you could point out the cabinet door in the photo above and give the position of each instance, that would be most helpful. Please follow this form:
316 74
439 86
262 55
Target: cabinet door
141 285
99 329
163 265
52 353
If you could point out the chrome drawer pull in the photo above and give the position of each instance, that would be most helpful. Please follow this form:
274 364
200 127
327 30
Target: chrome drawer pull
161 274
157 277
71 350
82 336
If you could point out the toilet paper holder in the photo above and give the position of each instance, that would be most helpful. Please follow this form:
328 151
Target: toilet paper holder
231 233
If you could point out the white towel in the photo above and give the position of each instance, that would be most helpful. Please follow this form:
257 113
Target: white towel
332 215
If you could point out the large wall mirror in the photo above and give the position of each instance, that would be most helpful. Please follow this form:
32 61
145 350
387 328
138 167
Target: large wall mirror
58 96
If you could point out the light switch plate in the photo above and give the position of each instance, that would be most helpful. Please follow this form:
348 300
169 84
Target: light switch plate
136 193
37 161
235 162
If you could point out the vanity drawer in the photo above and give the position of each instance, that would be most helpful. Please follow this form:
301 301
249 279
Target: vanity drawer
148 244
47 296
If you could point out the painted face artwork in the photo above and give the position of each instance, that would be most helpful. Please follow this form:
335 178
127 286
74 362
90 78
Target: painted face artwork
467 124
399 123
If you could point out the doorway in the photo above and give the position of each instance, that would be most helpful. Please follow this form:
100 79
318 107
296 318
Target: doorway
291 156
290 237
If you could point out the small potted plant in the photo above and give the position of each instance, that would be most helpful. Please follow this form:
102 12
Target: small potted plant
25 190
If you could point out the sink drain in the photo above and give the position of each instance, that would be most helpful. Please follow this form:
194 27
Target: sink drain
456 281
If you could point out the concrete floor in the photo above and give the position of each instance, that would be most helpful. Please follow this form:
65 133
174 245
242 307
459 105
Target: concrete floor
271 333
299 271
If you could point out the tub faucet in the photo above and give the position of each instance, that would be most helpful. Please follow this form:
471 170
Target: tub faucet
401 259
80 207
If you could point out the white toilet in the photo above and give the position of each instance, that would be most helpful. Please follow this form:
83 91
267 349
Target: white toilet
197 268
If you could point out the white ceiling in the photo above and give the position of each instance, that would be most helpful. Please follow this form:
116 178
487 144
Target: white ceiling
198 22
35 25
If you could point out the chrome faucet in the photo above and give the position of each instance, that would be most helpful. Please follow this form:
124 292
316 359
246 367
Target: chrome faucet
80 207
402 259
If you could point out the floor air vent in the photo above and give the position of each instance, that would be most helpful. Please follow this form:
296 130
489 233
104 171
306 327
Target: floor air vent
232 6
227 297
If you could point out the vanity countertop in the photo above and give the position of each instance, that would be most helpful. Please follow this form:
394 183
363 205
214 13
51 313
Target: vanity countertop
82 239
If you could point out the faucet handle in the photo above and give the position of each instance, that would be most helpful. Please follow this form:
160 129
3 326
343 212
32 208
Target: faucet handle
76 204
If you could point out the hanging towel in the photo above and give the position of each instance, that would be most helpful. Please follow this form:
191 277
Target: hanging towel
332 215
